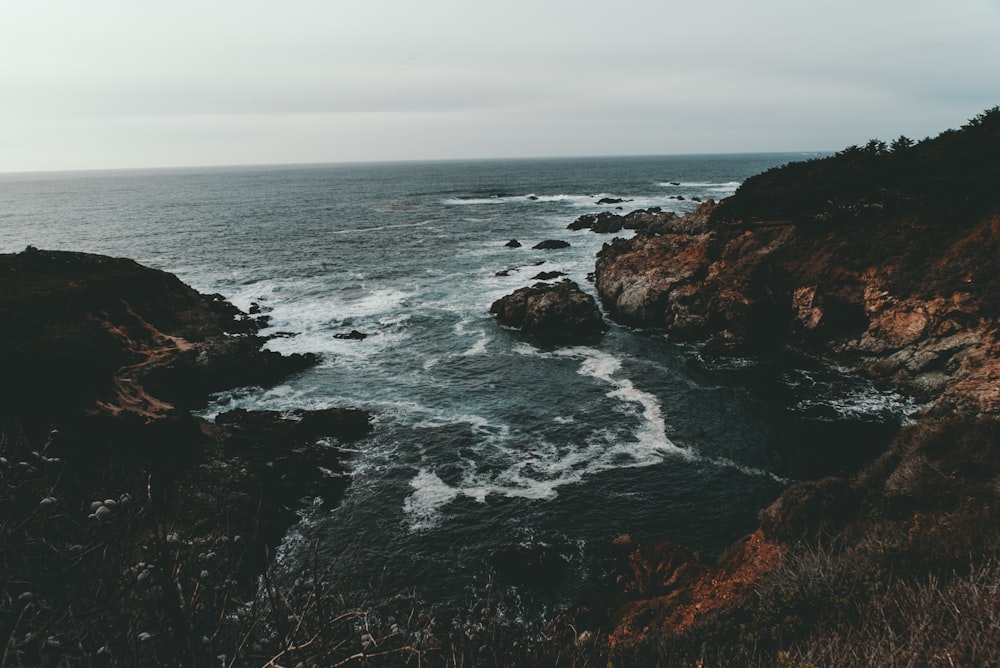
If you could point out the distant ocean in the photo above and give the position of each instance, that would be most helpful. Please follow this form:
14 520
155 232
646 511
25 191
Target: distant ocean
485 443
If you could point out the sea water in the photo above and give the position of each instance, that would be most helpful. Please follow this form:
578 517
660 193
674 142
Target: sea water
484 440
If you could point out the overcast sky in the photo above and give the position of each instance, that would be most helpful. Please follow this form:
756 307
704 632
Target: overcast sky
145 83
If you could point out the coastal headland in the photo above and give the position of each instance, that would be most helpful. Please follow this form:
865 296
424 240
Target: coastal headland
884 260
132 527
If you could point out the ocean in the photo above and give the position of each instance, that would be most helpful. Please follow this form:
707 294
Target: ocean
486 445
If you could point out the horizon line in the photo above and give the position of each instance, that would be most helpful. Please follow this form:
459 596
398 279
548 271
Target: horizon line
332 163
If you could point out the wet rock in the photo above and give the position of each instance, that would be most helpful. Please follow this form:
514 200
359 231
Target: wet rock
547 275
604 222
555 313
751 288
652 221
513 243
550 244
353 335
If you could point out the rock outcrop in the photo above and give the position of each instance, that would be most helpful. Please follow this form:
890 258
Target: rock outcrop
828 291
652 220
92 334
870 270
551 244
554 313
103 362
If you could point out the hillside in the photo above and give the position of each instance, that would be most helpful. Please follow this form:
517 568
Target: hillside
132 531
882 259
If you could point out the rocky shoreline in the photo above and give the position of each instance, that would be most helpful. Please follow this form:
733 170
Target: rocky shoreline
906 296
754 289
149 525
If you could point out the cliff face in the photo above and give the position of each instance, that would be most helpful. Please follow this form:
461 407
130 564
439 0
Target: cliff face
849 294
865 268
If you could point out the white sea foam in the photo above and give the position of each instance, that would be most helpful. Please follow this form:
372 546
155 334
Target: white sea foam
864 403
725 462
727 185
430 494
315 317
436 419
478 348
334 351
651 435
521 199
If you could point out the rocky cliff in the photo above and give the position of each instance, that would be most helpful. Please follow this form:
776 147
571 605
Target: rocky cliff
858 261
132 531
907 300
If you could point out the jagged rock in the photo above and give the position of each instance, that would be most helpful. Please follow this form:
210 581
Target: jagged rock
547 275
556 313
353 335
513 243
603 222
648 221
751 287
872 265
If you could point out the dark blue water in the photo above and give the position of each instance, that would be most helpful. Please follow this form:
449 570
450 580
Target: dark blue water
483 440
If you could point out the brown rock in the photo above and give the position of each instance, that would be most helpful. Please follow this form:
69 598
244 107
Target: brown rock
555 313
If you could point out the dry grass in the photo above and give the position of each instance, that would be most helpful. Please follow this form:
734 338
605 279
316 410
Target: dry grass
130 586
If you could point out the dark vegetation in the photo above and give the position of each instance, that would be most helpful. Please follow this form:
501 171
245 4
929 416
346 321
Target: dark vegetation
899 566
97 569
956 173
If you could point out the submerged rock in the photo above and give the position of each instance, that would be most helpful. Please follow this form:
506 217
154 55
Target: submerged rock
353 335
